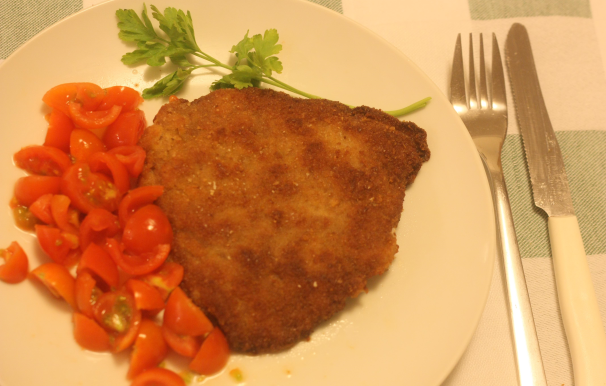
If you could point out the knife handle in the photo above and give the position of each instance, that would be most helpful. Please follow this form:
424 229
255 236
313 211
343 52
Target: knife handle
578 303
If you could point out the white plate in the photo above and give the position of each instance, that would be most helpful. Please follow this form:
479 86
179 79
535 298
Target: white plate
415 322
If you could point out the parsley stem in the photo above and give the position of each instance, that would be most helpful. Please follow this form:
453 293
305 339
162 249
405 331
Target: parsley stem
278 83
396 113
209 58
409 109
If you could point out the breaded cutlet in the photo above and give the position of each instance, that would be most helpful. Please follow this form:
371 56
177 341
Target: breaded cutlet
282 207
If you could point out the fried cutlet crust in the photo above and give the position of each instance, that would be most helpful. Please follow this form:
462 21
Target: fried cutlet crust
282 207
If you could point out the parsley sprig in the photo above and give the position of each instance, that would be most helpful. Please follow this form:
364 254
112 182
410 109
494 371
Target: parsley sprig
256 60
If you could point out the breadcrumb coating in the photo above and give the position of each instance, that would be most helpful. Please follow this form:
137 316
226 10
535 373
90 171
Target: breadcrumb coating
282 207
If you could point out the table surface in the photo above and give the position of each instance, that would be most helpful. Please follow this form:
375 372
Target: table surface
569 43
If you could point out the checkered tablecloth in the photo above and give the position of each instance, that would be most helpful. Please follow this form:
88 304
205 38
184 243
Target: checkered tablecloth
569 42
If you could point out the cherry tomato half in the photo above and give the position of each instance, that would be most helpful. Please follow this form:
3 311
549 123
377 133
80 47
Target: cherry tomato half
62 216
89 335
149 349
123 96
137 198
147 228
53 242
137 265
89 190
185 345
97 261
42 160
60 127
92 120
132 157
84 143
166 278
147 298
109 164
41 208
86 292
57 280
213 354
183 317
16 265
89 95
125 130
29 188
24 218
97 226
158 377
117 313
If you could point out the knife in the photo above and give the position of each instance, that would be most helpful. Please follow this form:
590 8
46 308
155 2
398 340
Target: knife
578 303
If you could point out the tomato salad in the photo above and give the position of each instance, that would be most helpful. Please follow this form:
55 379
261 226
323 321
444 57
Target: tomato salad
107 242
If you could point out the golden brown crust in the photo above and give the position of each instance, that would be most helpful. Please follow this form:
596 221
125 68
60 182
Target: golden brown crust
282 207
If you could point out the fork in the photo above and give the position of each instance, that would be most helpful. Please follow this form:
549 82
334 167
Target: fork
486 121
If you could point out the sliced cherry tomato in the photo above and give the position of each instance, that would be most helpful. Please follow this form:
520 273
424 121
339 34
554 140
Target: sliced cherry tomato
92 120
166 278
89 335
53 242
106 162
58 280
97 261
158 377
97 226
137 198
125 130
132 157
42 160
86 292
185 345
183 317
89 95
117 313
147 228
16 265
24 218
89 190
59 206
60 127
29 188
137 265
147 298
123 96
213 354
149 349
73 256
41 208
84 143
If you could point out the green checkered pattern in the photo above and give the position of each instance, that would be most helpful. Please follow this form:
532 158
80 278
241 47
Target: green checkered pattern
584 151
21 20
501 9
585 160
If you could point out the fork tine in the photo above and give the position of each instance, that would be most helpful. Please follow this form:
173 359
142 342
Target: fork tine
457 81
498 79
473 99
483 85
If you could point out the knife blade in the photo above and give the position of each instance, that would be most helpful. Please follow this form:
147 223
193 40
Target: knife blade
576 294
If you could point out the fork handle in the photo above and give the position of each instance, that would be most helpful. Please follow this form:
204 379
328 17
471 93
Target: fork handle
578 303
526 344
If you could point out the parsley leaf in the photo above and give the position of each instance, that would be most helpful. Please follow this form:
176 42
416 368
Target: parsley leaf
132 29
178 26
168 85
256 59
265 47
242 48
